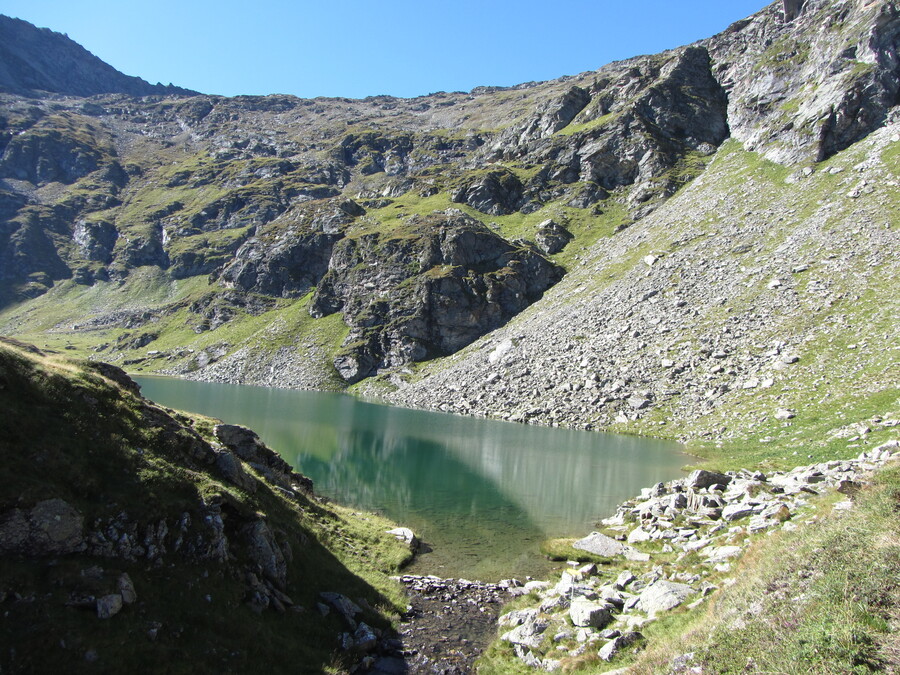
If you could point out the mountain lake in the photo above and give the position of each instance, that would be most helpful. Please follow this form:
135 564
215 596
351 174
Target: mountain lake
482 494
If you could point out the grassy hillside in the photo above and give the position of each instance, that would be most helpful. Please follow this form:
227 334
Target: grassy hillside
79 434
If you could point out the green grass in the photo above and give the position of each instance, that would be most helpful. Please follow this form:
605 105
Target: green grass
822 599
596 123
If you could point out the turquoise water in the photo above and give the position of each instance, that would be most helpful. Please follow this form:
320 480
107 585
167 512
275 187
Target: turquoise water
482 494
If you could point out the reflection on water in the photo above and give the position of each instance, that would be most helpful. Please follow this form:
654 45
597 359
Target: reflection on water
483 494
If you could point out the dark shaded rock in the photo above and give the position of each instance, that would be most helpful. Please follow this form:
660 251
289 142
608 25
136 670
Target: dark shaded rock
792 9
701 478
247 445
29 260
265 552
50 527
552 238
95 240
116 374
292 255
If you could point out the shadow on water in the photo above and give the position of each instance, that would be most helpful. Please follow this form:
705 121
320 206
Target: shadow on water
482 493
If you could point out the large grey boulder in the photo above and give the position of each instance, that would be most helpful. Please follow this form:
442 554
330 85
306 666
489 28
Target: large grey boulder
737 511
607 547
529 634
661 596
50 527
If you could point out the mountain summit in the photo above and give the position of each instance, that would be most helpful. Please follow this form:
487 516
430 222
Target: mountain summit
38 60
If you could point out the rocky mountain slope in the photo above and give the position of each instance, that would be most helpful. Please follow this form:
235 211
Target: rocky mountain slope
131 534
35 61
684 244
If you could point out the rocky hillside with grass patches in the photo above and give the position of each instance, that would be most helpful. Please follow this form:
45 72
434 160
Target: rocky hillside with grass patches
212 237
133 534
755 308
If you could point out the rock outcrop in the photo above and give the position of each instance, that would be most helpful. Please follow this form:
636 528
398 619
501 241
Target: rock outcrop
425 290
119 513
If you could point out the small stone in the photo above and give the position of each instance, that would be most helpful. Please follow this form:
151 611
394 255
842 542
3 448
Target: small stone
109 605
365 637
126 589
624 579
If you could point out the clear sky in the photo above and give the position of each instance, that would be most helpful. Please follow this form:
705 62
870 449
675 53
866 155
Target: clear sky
358 48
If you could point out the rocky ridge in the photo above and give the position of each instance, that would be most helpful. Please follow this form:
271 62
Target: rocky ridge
36 61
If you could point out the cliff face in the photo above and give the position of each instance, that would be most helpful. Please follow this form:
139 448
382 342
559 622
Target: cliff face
238 224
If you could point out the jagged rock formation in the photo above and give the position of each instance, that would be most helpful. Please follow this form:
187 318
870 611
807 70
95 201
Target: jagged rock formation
426 290
804 88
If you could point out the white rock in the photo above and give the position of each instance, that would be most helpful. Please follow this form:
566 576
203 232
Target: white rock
586 613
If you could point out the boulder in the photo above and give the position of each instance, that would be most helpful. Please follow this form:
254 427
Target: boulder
50 527
607 547
611 648
109 605
529 634
126 589
552 238
344 606
364 637
718 554
701 479
661 596
737 511
586 613
406 535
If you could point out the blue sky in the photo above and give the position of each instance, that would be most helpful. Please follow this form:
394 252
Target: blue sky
358 48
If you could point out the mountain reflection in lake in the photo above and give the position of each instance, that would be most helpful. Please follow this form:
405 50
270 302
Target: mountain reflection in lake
482 494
